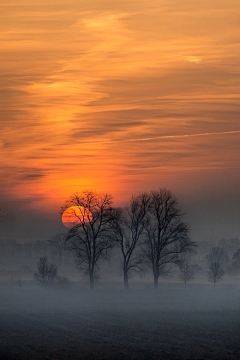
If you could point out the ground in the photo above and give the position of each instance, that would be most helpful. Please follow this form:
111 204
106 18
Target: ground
171 323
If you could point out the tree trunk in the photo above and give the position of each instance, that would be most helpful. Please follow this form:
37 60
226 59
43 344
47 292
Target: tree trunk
126 285
156 276
91 278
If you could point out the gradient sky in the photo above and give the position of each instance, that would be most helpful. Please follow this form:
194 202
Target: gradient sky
120 96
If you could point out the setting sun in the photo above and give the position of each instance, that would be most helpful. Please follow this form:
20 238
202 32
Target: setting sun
123 97
75 215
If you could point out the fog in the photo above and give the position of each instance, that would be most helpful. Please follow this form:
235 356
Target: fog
64 319
69 322
169 297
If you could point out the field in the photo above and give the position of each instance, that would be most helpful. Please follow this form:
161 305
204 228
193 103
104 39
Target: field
199 322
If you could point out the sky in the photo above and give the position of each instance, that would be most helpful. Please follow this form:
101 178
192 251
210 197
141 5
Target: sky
119 96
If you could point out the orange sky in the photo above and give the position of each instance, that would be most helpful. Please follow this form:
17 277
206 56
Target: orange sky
119 96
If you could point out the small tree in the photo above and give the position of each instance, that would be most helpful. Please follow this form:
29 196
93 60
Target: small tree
129 228
218 254
217 261
215 272
46 272
186 272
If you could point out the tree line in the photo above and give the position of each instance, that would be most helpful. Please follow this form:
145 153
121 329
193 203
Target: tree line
148 232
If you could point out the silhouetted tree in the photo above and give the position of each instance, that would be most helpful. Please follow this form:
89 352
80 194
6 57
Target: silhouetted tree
129 226
166 234
91 237
46 272
186 271
217 261
219 255
215 272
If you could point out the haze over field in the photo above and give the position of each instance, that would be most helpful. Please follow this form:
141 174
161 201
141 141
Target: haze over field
169 324
122 96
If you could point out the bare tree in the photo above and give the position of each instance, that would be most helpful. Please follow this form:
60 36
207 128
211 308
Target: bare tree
166 234
91 238
219 255
129 226
217 261
186 271
215 272
46 272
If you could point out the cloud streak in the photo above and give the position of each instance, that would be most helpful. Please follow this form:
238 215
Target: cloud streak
110 95
185 135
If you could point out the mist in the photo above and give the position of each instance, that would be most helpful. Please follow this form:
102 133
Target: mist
66 320
52 309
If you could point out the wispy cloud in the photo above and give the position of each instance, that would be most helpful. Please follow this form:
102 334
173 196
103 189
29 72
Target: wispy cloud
186 135
109 94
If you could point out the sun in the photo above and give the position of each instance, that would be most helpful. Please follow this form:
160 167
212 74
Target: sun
75 215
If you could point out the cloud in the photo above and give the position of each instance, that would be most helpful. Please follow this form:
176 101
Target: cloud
187 135
32 176
102 93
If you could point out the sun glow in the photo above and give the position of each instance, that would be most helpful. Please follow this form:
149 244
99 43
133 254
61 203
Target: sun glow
117 98
76 215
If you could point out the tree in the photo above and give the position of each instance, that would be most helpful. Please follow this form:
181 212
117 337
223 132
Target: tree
166 234
46 272
129 227
186 272
217 260
91 238
215 272
218 254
